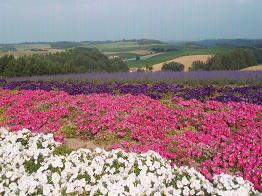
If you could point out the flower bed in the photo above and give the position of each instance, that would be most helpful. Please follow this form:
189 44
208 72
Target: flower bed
251 94
212 137
36 164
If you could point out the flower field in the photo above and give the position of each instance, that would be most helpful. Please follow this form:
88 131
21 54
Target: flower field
176 139
31 164
250 94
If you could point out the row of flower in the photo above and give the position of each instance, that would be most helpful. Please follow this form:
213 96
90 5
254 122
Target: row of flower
251 94
212 137
35 164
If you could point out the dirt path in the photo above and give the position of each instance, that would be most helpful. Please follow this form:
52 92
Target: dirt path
185 60
76 143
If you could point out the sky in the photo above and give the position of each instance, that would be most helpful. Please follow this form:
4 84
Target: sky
167 20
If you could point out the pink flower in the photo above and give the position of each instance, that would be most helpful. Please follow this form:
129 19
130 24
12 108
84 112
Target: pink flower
59 138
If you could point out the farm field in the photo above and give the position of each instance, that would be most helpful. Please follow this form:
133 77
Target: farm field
185 60
254 68
167 56
26 49
183 139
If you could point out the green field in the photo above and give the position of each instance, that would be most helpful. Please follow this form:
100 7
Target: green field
171 55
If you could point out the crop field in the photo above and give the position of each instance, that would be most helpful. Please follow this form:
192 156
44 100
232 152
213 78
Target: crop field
71 137
167 56
185 60
26 49
28 52
254 68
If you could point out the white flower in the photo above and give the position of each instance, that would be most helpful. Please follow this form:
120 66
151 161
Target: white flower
57 162
179 184
55 178
8 174
186 191
46 190
98 150
83 170
185 181
177 192
240 180
192 192
157 165
13 186
70 188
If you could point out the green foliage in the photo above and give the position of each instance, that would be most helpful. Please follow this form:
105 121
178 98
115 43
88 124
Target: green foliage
173 66
258 54
149 67
2 115
236 59
32 165
136 168
4 61
24 141
62 150
77 60
69 131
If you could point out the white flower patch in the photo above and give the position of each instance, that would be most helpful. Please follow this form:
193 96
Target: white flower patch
28 165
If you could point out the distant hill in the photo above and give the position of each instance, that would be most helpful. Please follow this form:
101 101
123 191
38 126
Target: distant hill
65 45
72 44
143 41
230 42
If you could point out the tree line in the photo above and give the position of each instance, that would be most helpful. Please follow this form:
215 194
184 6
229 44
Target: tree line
236 59
172 66
77 60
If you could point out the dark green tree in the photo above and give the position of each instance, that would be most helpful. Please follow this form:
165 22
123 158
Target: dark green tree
173 66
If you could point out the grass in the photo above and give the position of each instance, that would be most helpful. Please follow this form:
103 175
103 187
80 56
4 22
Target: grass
127 55
174 54
62 150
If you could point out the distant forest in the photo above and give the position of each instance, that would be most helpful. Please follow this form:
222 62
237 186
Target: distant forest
77 60
237 59
257 43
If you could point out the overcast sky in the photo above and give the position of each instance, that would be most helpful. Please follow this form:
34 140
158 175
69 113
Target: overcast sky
78 20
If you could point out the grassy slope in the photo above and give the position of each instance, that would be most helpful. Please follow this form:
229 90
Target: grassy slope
171 55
